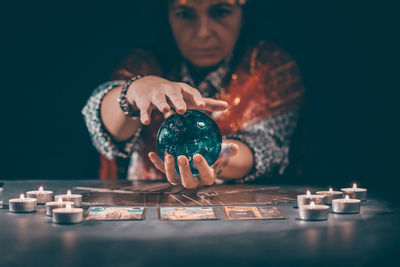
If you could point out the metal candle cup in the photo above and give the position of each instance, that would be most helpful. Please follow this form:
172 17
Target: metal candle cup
50 206
41 196
306 199
346 205
356 193
330 195
67 215
22 204
314 212
76 198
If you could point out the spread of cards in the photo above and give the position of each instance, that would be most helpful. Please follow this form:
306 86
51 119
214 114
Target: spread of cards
239 202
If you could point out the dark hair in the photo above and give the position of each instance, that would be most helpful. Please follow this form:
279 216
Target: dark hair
167 50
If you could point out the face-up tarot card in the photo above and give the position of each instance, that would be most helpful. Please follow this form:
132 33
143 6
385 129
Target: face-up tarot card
253 213
115 213
186 213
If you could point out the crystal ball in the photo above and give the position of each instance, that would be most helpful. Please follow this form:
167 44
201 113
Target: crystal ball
193 132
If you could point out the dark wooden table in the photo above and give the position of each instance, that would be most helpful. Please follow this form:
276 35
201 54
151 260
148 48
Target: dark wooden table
369 238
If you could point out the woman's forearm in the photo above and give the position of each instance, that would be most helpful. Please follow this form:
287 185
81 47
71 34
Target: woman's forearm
239 165
118 125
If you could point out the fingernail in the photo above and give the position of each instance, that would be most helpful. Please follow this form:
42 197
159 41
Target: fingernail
182 161
197 159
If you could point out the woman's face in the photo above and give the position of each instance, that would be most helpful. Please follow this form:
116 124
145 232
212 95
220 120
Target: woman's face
205 31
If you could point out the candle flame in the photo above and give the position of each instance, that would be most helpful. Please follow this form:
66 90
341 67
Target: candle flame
354 186
40 189
68 207
330 190
308 194
69 194
312 205
60 201
346 199
22 198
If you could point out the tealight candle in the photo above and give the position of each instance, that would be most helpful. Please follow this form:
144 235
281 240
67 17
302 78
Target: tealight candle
329 195
355 192
41 196
346 205
22 204
306 199
67 215
314 212
54 205
76 198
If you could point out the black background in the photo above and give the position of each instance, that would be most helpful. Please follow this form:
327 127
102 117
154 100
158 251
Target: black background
55 54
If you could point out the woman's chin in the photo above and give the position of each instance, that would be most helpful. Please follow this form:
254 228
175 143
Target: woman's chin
205 62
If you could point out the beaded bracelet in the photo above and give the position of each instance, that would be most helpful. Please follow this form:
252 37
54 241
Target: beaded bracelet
126 107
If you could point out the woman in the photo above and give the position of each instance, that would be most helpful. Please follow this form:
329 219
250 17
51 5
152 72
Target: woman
253 91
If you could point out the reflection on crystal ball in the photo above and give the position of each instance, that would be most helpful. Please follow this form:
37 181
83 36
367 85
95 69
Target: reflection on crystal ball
188 134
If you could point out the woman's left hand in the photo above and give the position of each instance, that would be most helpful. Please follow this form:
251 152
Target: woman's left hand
207 174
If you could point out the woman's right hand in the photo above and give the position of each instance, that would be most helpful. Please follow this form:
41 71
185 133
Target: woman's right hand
152 92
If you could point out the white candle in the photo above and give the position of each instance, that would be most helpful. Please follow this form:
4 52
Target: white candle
67 215
307 198
329 195
346 205
41 195
22 204
355 192
50 206
313 212
76 198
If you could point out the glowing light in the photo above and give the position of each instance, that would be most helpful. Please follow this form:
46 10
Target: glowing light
60 201
346 199
308 194
312 205
331 191
354 187
68 207
22 198
40 189
69 194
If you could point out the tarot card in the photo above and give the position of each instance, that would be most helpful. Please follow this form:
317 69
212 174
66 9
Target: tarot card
252 213
186 213
115 213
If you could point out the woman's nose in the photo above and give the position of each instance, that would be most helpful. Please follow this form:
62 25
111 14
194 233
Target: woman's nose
203 30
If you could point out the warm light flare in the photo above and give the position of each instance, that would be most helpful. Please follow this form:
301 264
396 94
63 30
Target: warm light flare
40 189
331 191
312 205
346 199
60 201
68 207
22 198
308 194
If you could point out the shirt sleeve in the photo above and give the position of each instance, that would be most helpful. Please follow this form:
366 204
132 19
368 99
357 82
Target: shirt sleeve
101 139
269 140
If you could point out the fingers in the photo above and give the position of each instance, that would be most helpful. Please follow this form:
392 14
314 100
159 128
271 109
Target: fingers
161 103
170 170
176 98
215 105
207 176
157 161
188 181
192 94
145 111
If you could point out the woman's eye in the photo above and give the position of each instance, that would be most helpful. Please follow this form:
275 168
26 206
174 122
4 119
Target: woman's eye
219 13
184 14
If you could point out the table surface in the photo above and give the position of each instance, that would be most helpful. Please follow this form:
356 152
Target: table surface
368 238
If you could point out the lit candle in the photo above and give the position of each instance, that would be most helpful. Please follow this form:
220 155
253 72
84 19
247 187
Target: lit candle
22 204
307 198
54 205
76 198
355 192
41 196
329 195
346 205
67 215
314 212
